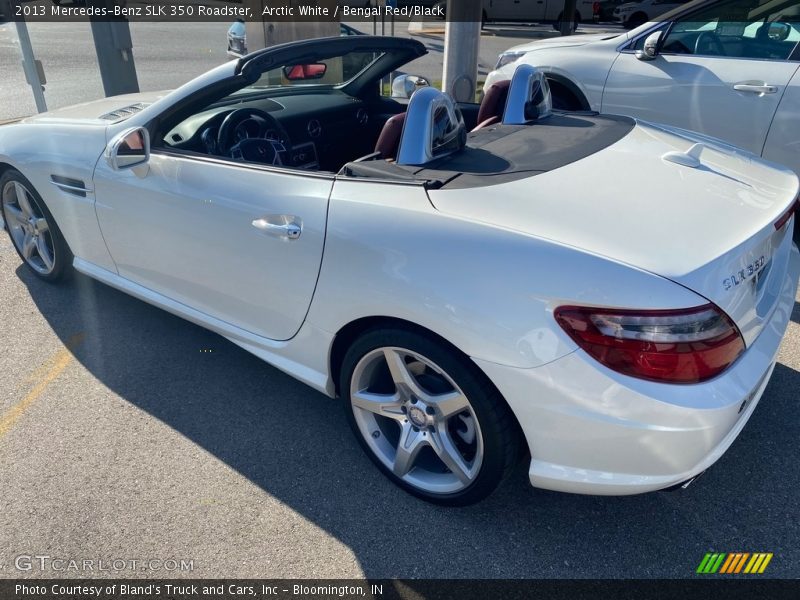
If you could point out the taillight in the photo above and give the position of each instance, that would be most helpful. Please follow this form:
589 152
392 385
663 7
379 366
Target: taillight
673 346
596 8
787 215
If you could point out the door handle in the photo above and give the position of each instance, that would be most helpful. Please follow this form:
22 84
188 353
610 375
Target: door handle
281 226
756 88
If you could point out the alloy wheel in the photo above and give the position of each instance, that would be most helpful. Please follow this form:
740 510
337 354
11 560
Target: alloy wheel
28 227
416 420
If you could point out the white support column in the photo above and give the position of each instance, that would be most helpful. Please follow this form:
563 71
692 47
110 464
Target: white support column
462 40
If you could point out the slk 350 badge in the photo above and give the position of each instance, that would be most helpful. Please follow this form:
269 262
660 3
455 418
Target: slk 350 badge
742 275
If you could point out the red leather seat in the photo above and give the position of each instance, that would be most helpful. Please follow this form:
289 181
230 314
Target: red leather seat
493 104
389 140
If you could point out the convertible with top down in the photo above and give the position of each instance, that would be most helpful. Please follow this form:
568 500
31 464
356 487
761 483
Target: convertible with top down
603 296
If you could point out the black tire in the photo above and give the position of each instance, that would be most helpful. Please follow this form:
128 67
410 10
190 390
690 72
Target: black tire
499 429
62 256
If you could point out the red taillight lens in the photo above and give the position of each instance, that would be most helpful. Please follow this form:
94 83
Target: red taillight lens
787 215
596 8
672 346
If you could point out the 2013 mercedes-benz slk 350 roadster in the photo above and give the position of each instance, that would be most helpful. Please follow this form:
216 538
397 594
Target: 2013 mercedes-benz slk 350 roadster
604 294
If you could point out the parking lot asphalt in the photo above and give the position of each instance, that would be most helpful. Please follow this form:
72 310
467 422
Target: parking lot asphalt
127 433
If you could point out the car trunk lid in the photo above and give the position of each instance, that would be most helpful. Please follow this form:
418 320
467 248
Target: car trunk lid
708 224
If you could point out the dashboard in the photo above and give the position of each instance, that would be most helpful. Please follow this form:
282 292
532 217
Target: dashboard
314 129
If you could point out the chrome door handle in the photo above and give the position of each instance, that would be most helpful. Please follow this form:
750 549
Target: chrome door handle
755 88
282 226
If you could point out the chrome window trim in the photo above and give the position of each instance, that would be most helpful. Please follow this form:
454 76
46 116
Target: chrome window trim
328 175
196 156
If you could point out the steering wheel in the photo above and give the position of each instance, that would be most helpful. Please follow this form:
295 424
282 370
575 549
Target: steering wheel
710 38
269 145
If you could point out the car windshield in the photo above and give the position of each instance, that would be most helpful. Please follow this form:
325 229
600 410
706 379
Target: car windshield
328 72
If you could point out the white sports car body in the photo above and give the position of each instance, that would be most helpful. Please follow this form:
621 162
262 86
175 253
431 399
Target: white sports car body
608 294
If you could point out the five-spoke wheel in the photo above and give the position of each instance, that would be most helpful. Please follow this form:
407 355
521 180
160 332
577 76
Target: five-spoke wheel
426 417
32 229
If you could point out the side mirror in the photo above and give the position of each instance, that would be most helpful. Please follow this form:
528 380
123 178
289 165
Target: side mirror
404 86
129 149
650 48
303 72
778 32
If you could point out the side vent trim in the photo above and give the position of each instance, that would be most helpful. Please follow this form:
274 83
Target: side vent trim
76 187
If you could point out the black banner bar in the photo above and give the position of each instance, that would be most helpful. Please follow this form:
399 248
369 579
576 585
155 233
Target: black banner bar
750 588
275 11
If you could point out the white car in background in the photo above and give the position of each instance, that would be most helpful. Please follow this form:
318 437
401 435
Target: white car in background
633 14
608 294
733 80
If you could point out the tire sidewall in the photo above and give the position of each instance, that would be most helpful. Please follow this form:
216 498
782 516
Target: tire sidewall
63 257
465 376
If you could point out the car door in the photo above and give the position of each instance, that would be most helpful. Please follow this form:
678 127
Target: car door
783 140
719 70
218 236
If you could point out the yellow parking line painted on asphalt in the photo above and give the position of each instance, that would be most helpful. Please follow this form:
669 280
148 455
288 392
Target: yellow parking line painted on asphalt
57 365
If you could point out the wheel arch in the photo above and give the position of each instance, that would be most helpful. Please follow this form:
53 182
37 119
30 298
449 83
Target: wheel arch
560 82
350 332
4 166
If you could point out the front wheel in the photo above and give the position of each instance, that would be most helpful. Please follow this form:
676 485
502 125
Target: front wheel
427 417
33 231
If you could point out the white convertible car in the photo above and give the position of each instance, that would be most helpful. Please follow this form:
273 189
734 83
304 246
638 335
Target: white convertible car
604 294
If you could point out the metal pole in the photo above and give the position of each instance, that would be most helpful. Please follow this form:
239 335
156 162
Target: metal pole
114 48
29 65
462 40
568 18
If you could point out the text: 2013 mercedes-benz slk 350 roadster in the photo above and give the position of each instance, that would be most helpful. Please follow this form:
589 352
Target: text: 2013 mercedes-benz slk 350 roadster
468 295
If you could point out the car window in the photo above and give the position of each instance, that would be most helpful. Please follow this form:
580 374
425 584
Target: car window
759 29
330 71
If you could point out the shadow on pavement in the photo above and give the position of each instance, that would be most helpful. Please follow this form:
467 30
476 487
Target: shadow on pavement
295 444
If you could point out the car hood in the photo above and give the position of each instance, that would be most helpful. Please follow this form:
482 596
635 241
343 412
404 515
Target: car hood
564 41
99 112
709 227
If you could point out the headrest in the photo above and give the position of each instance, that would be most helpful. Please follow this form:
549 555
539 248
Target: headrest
529 97
434 128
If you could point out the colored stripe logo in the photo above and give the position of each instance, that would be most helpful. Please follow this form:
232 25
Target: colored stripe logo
731 563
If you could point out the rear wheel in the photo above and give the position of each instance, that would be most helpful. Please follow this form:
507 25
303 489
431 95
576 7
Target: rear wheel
427 417
33 231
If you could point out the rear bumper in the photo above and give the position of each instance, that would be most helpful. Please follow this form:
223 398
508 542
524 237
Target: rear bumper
593 431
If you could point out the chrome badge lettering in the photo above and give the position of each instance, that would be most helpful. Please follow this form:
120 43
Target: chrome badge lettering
742 275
